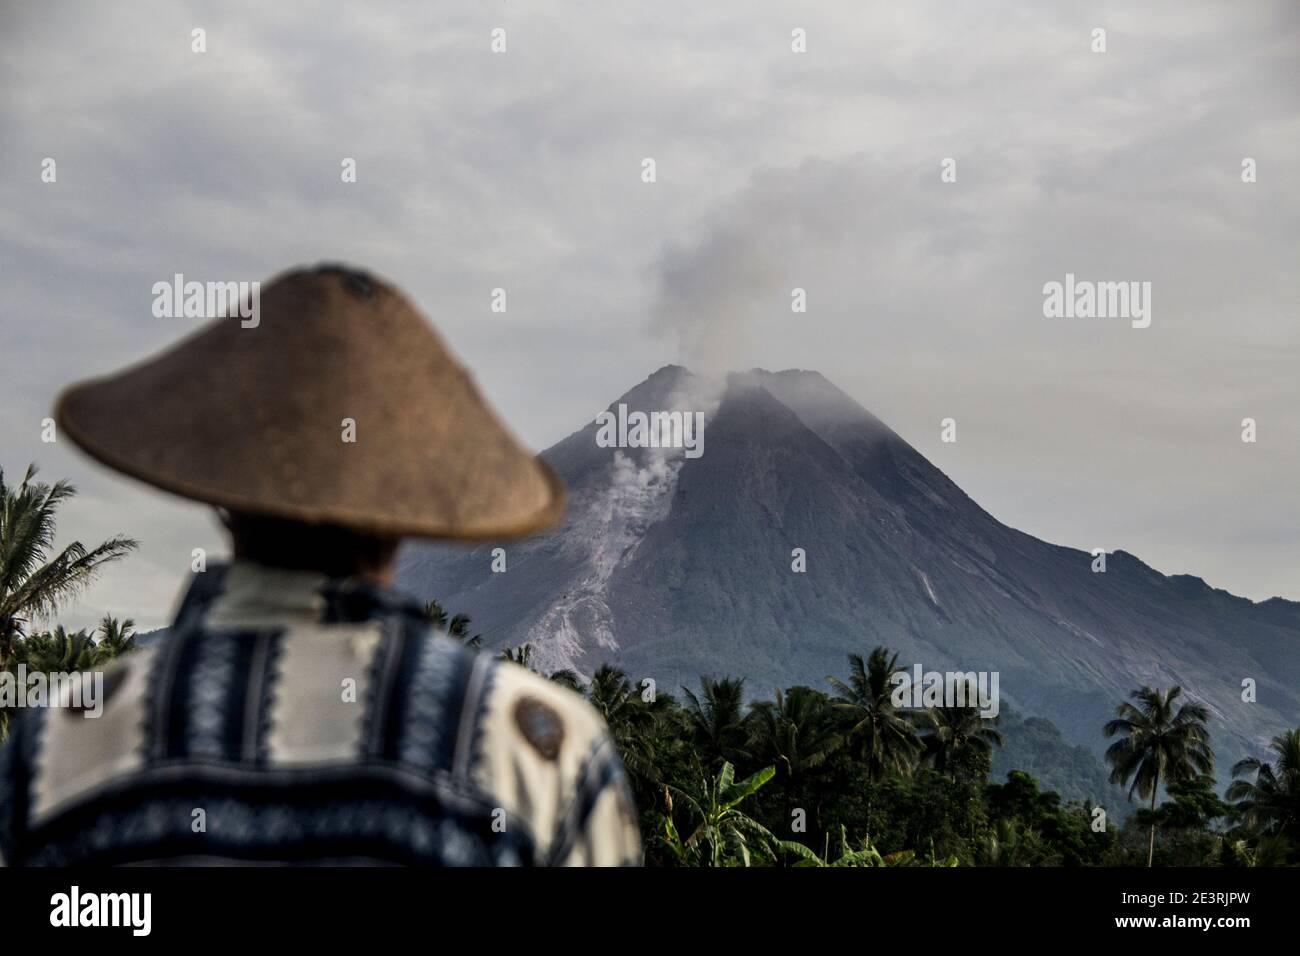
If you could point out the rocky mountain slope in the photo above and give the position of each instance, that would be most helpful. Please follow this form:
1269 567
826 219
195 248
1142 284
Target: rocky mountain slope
673 567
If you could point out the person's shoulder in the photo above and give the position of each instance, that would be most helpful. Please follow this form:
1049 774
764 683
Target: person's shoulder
552 720
542 751
90 733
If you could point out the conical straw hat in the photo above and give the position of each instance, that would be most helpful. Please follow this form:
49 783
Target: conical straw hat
252 418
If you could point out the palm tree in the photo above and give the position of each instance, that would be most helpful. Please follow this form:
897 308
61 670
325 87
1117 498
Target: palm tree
648 733
628 718
1005 845
568 678
436 614
58 652
521 655
715 718
456 627
885 736
794 733
1157 745
1270 802
55 652
725 833
33 581
613 695
115 638
957 735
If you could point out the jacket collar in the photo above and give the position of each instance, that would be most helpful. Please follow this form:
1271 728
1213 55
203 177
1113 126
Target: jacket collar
244 594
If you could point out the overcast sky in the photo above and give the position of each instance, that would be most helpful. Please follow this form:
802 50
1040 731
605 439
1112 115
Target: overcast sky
775 169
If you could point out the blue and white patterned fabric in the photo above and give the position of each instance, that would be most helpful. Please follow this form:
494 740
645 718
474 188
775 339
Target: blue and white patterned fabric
287 718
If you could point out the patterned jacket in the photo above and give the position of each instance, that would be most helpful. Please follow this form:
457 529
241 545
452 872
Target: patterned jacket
289 718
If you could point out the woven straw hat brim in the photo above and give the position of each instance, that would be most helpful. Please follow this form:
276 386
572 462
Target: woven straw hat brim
253 419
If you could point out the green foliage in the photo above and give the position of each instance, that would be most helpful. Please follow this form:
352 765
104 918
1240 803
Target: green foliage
456 626
836 777
796 733
715 719
1268 805
1271 801
861 855
34 579
885 737
850 781
1032 827
114 638
1158 744
959 742
725 835
1036 746
65 652
891 786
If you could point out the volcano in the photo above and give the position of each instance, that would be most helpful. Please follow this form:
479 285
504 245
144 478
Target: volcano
672 567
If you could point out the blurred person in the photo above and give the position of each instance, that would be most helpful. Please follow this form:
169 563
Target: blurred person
300 710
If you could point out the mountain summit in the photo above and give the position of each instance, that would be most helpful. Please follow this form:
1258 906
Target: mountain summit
672 567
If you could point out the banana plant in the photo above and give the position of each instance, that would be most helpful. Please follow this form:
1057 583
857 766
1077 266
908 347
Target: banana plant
725 835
